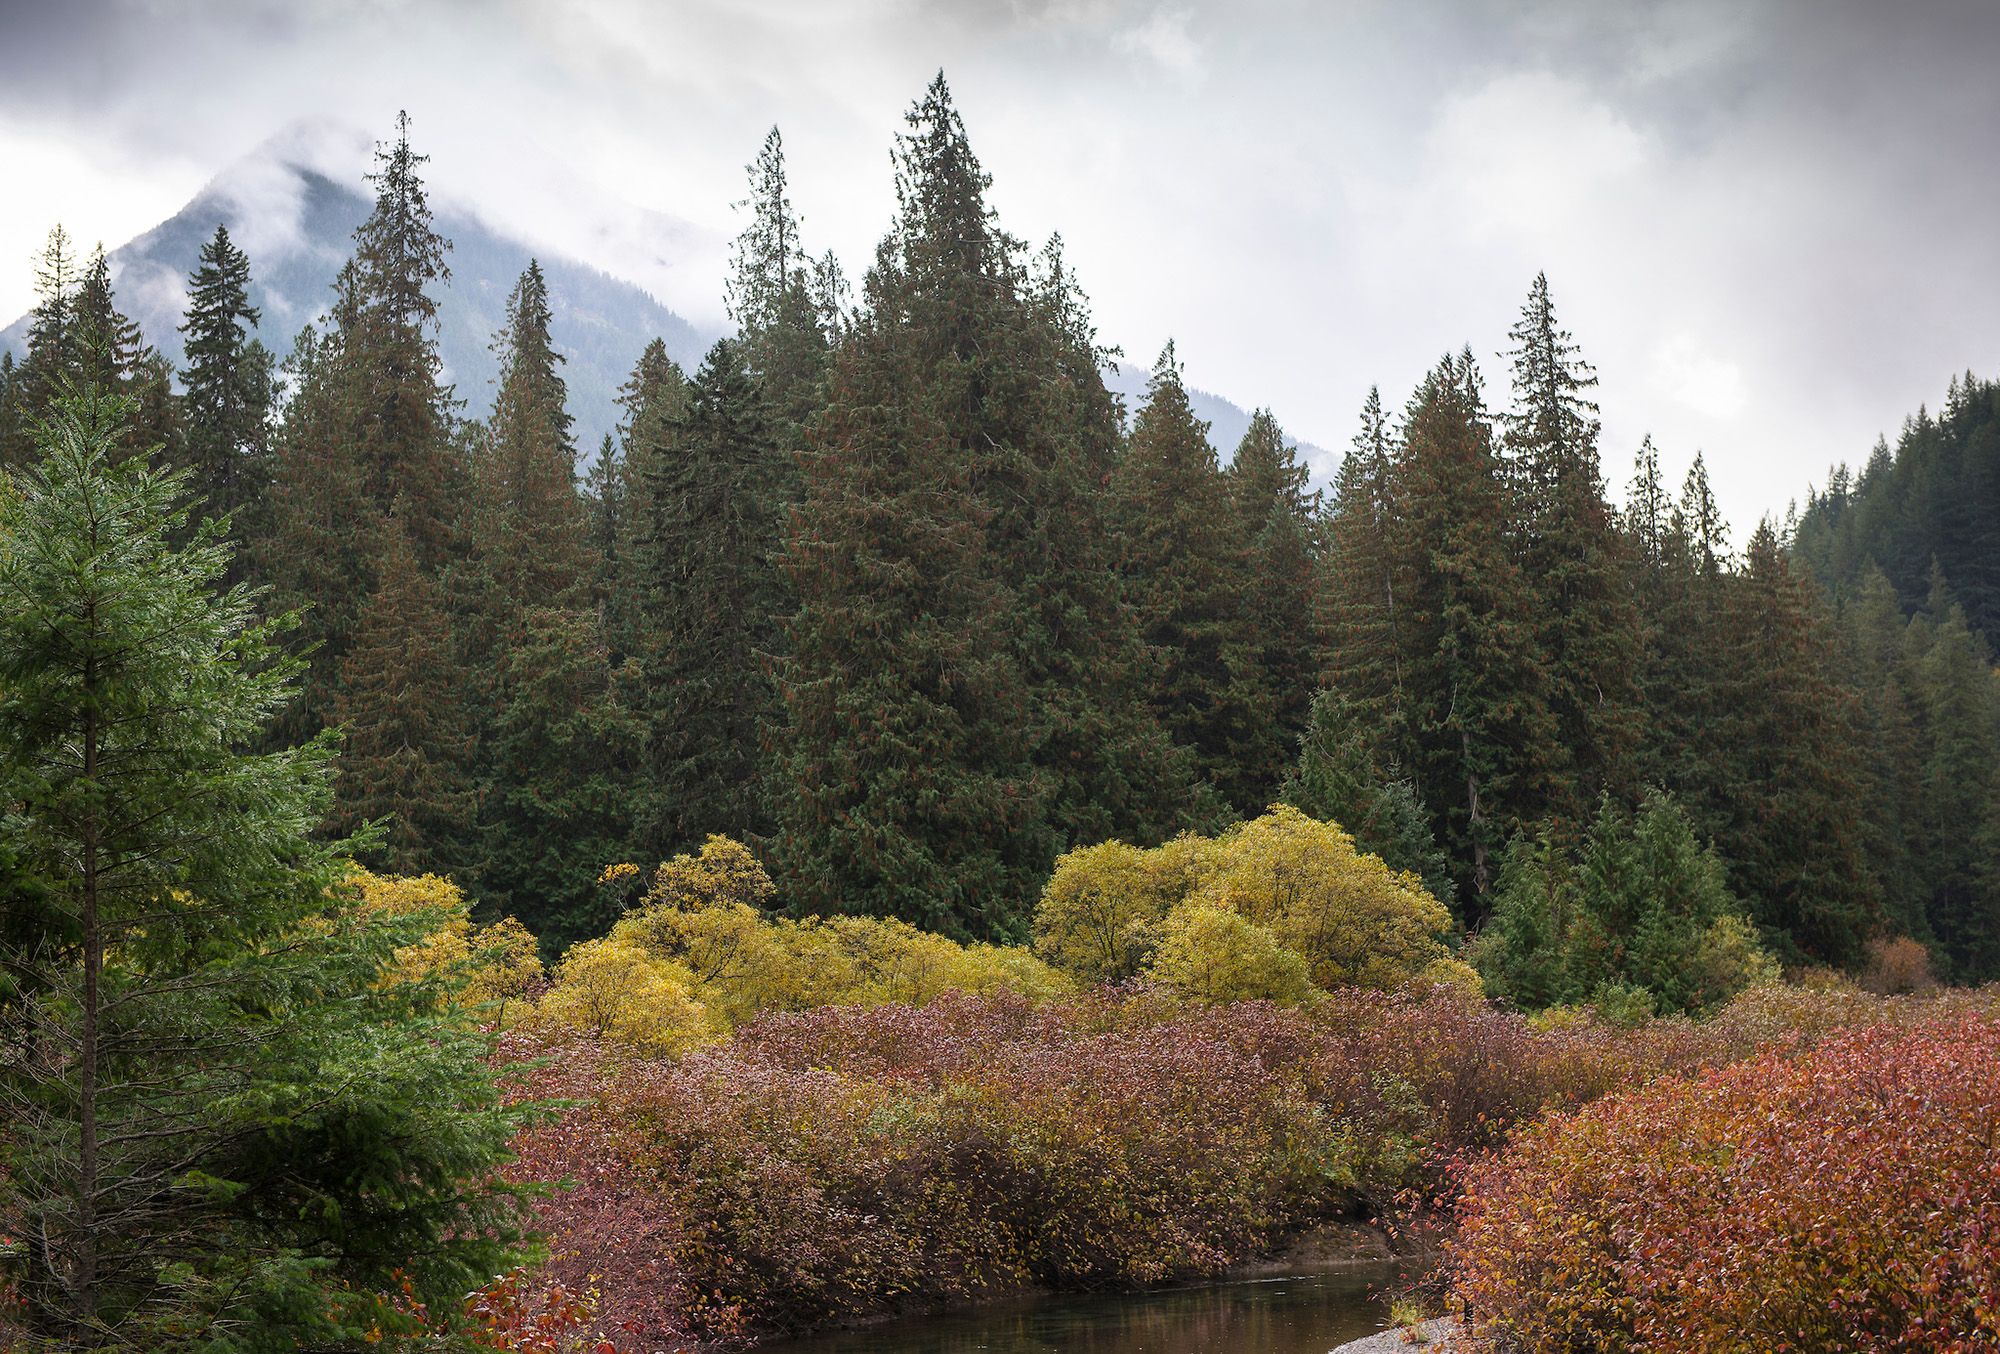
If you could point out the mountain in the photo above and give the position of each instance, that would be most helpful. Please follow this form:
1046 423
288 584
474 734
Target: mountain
297 225
292 205
1227 422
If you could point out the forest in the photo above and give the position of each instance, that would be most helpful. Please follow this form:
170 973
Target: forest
434 850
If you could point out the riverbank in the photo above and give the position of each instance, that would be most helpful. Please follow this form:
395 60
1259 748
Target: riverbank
1432 1337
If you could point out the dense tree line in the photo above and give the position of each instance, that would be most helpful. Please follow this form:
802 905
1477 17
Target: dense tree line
892 589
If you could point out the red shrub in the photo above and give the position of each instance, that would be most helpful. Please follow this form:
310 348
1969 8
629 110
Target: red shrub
1843 1198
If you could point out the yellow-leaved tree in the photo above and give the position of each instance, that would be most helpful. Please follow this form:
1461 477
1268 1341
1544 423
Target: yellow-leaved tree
499 964
1246 914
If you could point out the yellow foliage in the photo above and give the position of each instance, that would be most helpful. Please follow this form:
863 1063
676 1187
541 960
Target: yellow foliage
626 996
484 964
702 916
1211 954
724 873
1100 912
1352 920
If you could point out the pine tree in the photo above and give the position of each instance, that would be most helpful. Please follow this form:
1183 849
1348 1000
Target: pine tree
1570 551
1184 564
531 521
53 357
712 612
1476 710
1783 777
408 751
771 299
228 391
951 546
1275 516
223 1128
1361 580
403 414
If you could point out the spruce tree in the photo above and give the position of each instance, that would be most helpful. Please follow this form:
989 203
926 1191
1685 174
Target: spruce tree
1275 520
770 296
111 354
1783 777
532 523
652 401
712 612
1570 551
1479 731
1361 581
228 391
224 1129
408 755
53 355
956 674
1183 559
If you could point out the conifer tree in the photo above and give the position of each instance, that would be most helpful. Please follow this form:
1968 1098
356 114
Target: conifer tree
227 385
1784 772
408 753
955 669
1360 582
652 400
1570 551
1681 684
531 520
52 357
1275 519
113 355
771 299
1479 731
224 1130
712 612
1184 559
403 412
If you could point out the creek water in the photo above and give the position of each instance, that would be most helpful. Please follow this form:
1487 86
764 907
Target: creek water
1303 1313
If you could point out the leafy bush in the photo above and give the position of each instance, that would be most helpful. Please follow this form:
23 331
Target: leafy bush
1843 1198
1110 912
695 955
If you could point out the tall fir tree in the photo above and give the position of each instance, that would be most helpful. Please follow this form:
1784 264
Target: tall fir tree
771 299
227 393
1572 554
1479 732
1275 519
111 354
1183 557
956 668
408 752
225 1129
651 402
1362 586
531 521
712 613
53 350
1783 775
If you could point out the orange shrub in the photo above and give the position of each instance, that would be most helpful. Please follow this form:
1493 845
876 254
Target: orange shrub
1844 1198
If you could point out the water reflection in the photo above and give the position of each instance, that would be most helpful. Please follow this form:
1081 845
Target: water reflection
1297 1314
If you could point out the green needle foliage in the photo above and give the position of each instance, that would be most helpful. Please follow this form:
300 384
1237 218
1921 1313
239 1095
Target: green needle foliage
220 1128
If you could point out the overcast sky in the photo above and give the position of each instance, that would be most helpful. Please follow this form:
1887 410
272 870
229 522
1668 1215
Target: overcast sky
1774 226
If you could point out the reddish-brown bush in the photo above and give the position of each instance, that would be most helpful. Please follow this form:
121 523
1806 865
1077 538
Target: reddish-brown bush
1842 1198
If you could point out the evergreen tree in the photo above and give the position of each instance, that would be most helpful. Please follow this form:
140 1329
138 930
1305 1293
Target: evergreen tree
1275 519
228 391
1570 551
402 415
113 355
224 1130
712 612
1361 579
532 523
1183 560
1783 777
53 355
652 399
771 299
1339 778
956 673
408 758
1479 729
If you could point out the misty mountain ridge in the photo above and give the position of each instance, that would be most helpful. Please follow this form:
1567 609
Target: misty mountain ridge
296 221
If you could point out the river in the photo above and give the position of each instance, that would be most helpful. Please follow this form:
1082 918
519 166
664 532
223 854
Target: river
1303 1313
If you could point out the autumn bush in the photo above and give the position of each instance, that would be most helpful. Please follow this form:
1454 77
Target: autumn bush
846 1162
1246 914
1844 1196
